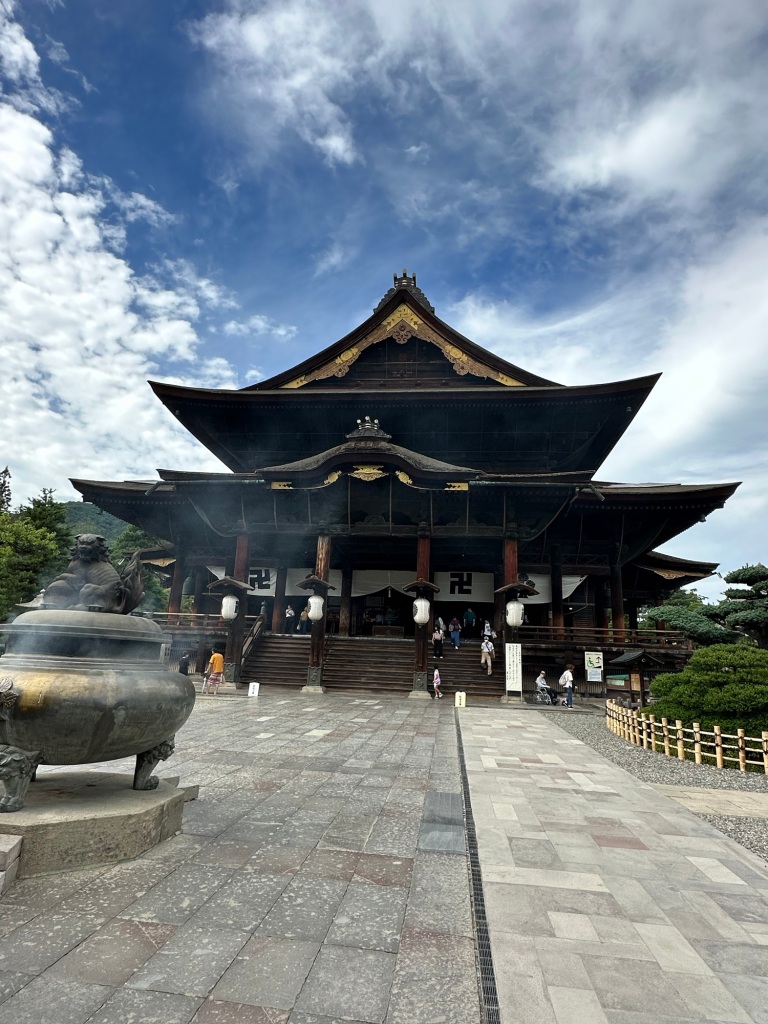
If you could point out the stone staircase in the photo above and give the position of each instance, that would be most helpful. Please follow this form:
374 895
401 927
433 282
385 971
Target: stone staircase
367 663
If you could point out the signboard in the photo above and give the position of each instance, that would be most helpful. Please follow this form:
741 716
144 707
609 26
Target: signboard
465 587
636 680
253 689
513 663
593 665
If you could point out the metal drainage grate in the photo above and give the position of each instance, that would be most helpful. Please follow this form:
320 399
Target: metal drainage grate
488 994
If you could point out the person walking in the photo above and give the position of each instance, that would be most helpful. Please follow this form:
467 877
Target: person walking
488 630
455 627
436 684
214 673
486 655
304 622
566 681
437 641
469 621
183 668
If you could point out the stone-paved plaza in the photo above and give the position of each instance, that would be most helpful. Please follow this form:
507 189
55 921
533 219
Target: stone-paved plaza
323 876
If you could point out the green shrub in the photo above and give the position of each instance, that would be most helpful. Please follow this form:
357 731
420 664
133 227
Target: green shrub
725 684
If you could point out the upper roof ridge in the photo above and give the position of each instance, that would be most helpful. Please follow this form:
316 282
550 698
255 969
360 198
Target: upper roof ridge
409 283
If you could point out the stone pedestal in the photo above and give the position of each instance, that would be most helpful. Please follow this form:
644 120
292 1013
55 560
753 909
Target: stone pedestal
77 819
314 680
420 686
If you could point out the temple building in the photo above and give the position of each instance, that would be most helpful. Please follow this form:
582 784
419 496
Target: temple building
405 459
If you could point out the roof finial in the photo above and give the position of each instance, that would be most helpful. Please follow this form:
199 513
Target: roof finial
409 283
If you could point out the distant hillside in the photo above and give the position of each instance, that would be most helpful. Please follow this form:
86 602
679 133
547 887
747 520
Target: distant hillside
83 517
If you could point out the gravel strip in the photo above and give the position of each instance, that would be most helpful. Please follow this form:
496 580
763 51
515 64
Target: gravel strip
655 768
751 833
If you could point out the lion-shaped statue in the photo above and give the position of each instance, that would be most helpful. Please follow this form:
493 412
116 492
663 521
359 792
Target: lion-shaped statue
91 582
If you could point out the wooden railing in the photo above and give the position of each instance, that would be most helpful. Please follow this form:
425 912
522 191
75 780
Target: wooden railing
592 637
199 622
673 739
253 635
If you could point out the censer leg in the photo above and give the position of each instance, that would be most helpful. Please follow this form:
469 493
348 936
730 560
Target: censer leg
147 761
17 768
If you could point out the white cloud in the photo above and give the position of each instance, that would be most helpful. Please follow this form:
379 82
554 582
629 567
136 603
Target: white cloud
79 331
331 259
259 325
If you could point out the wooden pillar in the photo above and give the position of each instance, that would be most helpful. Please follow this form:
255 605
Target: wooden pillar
421 639
601 606
345 612
177 582
278 608
556 579
510 573
632 615
317 637
617 597
197 599
233 656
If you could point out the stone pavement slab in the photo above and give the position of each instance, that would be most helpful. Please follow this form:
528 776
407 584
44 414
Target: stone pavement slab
606 900
304 887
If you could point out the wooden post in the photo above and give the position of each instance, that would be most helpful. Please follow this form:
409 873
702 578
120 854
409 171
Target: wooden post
742 750
665 735
617 597
680 740
644 722
322 570
697 742
197 599
177 581
718 746
765 751
653 733
345 612
601 608
233 654
421 637
278 608
556 576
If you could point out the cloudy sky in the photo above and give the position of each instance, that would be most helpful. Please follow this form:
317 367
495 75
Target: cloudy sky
208 191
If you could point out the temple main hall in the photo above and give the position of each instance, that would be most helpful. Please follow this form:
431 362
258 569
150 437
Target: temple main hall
406 461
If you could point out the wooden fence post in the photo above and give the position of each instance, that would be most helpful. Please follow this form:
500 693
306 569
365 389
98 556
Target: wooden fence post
765 751
644 724
697 742
718 746
680 738
742 750
665 735
653 733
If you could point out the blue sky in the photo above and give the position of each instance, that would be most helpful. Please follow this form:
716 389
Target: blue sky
209 192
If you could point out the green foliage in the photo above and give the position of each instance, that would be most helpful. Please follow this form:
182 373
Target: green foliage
743 612
724 684
5 491
50 515
25 552
131 540
83 517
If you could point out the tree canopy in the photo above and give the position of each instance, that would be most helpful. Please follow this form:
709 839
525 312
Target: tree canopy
742 612
724 684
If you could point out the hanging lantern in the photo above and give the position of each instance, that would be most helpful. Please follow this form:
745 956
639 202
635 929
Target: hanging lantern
515 613
421 611
229 607
315 607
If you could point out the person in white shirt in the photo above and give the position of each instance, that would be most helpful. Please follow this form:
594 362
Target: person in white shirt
486 655
566 681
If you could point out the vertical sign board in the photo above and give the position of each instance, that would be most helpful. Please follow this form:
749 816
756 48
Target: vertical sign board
593 663
513 663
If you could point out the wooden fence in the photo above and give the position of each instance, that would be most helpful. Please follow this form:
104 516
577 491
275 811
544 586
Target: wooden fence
695 744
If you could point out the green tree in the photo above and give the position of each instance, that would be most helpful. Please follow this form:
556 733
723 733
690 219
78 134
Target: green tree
5 491
133 539
47 514
743 611
25 552
724 684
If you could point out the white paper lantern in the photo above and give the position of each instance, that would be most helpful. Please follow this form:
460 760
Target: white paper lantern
315 608
229 607
421 611
515 613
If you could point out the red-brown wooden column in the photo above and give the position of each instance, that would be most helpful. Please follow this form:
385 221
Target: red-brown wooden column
510 575
317 636
617 597
278 608
556 580
421 640
345 612
177 581
233 655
